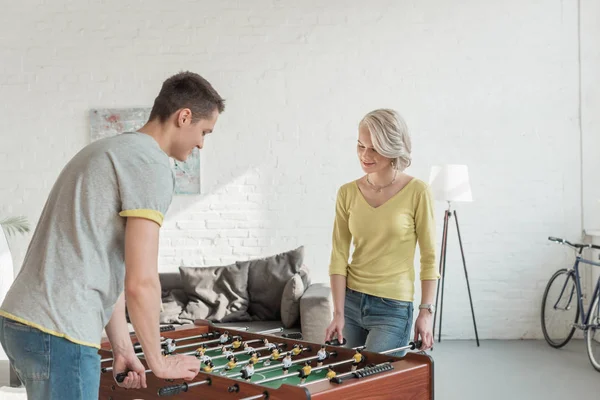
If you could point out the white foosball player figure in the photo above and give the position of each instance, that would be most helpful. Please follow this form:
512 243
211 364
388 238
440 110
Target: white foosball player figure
170 346
269 346
248 370
287 363
226 352
321 355
224 338
249 349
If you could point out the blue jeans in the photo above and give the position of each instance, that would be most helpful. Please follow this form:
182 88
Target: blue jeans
378 323
50 367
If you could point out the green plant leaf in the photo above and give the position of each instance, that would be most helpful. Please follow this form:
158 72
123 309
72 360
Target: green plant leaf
14 225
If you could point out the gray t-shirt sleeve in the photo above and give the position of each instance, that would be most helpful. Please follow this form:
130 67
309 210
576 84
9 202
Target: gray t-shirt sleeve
146 191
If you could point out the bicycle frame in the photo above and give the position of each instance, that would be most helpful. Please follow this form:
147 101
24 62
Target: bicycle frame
584 316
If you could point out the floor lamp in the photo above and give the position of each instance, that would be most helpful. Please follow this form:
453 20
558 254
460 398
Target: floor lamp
450 183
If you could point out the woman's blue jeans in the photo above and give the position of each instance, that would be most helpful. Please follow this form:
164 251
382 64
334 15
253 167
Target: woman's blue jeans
378 323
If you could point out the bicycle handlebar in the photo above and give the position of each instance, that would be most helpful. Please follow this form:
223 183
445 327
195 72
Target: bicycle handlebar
573 245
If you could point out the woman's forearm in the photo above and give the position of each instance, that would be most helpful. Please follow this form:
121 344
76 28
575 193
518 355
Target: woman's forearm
338 292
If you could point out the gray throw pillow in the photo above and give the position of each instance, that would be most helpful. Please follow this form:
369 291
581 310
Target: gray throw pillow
173 303
267 278
218 294
290 299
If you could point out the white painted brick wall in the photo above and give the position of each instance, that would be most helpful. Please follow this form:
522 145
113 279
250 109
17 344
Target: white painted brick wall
492 85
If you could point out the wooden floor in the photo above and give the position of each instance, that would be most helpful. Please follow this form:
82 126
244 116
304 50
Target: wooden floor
527 370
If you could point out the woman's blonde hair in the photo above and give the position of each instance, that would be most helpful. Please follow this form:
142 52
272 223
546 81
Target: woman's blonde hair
390 136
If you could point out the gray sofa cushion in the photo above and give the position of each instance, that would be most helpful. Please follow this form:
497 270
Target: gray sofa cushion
173 302
290 299
216 293
267 278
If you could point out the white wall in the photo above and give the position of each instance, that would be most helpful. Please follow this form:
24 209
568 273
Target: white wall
489 84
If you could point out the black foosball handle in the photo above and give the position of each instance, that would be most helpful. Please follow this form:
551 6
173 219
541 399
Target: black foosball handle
292 335
167 328
173 389
121 377
335 342
416 345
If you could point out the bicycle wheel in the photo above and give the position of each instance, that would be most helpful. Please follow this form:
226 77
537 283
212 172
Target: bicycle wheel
560 309
593 335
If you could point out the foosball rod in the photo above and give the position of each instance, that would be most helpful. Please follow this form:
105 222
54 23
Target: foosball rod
276 378
212 348
410 346
278 365
121 376
184 387
266 332
203 336
259 359
178 388
264 395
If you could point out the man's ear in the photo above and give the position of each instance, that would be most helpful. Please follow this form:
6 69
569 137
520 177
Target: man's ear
184 117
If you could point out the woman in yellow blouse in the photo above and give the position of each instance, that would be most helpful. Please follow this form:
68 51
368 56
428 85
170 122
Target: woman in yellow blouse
384 215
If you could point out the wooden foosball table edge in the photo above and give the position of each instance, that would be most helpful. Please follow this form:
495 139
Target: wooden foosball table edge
327 391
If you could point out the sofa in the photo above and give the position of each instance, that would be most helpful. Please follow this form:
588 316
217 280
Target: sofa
257 294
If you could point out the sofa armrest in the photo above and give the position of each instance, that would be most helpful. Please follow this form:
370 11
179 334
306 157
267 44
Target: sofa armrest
316 309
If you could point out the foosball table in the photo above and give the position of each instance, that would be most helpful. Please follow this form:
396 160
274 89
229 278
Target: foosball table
237 364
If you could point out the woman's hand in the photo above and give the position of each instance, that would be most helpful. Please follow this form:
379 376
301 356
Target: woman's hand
424 329
129 362
335 329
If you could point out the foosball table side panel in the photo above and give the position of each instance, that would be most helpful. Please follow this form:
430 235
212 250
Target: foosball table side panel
412 383
220 388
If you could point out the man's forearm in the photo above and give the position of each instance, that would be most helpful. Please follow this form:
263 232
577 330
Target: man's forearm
143 305
117 329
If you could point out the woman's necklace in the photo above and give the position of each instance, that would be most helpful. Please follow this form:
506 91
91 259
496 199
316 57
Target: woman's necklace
378 190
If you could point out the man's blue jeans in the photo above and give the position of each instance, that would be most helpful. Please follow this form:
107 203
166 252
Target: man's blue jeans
50 367
378 323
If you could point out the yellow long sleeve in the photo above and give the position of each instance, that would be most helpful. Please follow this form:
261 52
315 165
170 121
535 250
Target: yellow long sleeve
341 237
385 240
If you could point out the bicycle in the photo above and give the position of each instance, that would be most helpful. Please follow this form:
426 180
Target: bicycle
569 286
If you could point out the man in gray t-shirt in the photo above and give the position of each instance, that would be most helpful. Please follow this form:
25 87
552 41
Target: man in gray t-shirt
95 244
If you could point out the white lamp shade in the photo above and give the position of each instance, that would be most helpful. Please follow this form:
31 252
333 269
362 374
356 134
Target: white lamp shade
450 182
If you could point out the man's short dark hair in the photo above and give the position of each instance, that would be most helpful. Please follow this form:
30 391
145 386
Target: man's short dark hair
187 90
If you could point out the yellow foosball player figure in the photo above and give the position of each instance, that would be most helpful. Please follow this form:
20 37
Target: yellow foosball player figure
305 371
330 373
254 357
287 363
275 355
296 350
237 342
248 370
200 351
321 355
358 357
208 366
230 365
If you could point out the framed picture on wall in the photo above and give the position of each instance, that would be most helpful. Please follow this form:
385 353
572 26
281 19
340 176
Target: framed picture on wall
106 122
